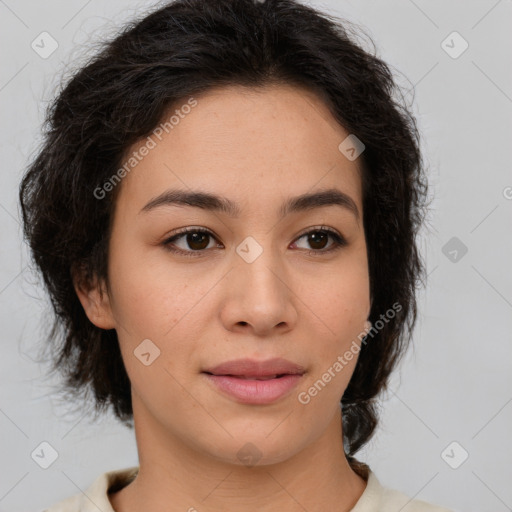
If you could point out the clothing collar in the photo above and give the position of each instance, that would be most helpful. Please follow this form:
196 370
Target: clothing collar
96 496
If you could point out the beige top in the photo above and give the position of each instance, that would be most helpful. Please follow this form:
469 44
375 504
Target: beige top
375 498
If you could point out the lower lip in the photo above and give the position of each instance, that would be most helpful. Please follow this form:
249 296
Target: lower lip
258 392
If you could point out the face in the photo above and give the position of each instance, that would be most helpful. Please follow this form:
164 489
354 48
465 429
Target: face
267 277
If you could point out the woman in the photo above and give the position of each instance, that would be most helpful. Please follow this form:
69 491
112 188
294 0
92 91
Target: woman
225 214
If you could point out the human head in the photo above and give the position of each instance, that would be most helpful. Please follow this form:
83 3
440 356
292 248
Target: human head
183 50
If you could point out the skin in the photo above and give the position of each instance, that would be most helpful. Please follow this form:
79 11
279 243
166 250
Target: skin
256 147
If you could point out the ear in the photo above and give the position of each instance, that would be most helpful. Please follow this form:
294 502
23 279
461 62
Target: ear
94 298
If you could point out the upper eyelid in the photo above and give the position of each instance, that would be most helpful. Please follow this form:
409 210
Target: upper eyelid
185 231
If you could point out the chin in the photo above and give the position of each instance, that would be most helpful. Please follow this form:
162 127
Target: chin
256 448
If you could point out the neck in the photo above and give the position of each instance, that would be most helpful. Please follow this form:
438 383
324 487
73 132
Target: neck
174 476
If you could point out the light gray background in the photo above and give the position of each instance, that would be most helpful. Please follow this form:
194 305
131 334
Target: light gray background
456 385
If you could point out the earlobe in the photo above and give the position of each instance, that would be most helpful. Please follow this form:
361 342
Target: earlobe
95 301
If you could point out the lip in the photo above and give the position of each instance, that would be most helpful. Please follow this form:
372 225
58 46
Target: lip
241 379
255 368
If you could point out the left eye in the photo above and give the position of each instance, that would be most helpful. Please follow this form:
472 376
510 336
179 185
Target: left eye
198 240
318 239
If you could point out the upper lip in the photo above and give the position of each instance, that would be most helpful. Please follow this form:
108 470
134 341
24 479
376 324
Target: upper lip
254 368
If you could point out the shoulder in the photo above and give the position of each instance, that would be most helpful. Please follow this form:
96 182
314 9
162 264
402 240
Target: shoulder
71 504
377 498
95 497
395 500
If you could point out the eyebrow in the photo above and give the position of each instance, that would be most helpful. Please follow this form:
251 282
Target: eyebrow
212 202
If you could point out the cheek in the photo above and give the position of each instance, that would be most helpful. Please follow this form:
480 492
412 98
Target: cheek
339 309
152 301
338 301
150 296
151 317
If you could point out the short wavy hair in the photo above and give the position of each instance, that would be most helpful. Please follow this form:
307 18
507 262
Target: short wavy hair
119 96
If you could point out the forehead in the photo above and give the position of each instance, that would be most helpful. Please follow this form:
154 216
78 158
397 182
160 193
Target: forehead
243 142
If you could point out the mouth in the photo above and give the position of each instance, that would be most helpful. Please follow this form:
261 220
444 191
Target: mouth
253 382
254 369
250 377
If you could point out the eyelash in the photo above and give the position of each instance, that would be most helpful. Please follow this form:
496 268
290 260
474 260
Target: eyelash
339 241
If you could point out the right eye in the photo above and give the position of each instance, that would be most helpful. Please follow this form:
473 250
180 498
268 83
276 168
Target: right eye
196 239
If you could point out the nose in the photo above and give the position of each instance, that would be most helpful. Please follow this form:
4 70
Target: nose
259 297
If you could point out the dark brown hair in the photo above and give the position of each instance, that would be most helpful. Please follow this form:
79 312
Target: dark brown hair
185 48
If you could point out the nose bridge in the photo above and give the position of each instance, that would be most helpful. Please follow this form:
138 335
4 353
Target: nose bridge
260 268
258 292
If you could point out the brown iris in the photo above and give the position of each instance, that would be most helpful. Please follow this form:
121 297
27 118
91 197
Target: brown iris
201 239
318 239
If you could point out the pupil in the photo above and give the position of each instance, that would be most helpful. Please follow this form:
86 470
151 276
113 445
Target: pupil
194 238
316 238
